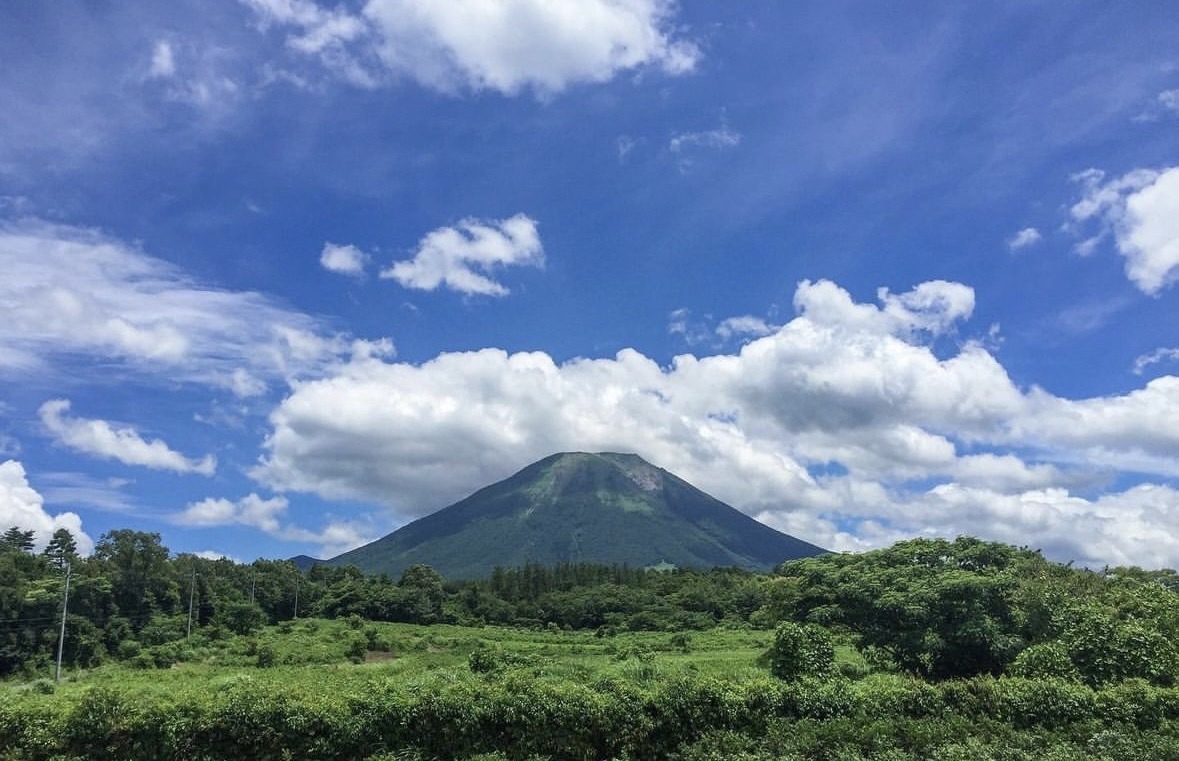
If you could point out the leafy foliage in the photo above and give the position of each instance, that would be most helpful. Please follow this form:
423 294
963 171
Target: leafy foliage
799 651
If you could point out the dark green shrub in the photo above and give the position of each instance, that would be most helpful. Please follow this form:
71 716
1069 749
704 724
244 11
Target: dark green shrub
128 649
1048 660
357 648
241 617
43 686
266 655
801 650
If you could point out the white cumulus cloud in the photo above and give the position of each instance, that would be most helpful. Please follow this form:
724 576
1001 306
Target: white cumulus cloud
461 258
831 426
501 45
22 506
1141 211
100 439
343 260
1137 431
251 510
509 45
270 516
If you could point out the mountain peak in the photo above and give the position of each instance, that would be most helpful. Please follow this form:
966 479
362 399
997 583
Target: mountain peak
642 474
604 507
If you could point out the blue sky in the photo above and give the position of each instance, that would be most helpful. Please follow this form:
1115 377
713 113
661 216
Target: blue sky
281 275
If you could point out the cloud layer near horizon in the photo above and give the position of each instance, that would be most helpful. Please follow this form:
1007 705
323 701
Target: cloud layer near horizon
852 425
844 427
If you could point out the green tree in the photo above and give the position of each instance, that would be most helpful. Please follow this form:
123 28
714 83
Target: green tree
421 594
62 548
1108 649
940 609
17 540
141 578
240 617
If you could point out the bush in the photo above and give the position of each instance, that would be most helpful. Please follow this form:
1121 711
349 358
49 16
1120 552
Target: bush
801 650
43 686
357 648
1048 660
267 657
128 649
488 659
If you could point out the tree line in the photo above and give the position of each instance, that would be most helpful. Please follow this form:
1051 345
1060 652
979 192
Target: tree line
934 609
133 594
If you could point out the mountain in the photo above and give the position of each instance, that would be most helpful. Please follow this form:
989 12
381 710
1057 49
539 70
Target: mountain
305 562
578 507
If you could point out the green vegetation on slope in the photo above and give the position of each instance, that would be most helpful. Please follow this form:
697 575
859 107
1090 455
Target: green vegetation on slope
576 508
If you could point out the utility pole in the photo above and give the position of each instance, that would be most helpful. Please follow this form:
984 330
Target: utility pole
191 597
253 581
65 601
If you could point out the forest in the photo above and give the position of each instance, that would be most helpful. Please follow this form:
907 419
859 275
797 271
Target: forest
931 648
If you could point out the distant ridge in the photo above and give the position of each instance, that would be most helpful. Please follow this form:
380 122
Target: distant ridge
305 562
579 507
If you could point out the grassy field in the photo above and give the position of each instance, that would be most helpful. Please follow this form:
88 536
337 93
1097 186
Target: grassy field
351 690
325 689
315 652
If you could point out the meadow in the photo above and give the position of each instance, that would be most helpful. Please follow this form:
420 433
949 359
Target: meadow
926 650
354 689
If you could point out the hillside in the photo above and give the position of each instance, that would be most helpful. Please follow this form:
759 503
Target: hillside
579 507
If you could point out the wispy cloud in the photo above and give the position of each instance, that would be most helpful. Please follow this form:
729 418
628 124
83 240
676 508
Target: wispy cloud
163 61
713 138
1153 358
688 146
66 292
81 489
103 440
1025 238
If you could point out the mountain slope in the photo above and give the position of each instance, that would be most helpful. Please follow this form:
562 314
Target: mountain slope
579 507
